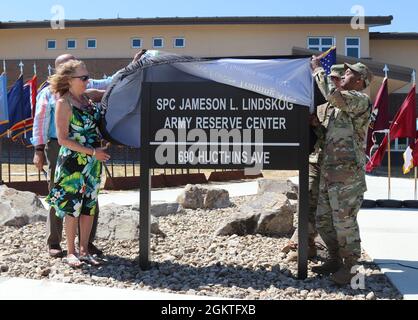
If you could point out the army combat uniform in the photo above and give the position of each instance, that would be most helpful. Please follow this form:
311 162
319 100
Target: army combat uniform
323 113
342 174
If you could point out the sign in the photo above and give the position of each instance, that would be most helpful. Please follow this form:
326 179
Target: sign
222 127
204 124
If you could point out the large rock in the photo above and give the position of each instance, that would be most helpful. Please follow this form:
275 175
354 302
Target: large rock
240 224
276 216
267 214
118 222
19 208
197 196
286 187
161 209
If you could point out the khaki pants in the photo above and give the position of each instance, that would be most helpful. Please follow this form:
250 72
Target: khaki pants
54 224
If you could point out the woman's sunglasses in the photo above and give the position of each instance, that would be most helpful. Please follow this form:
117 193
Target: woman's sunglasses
82 78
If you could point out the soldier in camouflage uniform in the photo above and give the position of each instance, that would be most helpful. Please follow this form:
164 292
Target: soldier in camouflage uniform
319 122
342 175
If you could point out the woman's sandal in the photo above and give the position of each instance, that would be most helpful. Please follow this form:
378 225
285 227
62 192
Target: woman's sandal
89 259
73 261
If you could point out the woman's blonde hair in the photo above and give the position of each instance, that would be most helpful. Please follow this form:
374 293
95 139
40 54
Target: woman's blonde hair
60 81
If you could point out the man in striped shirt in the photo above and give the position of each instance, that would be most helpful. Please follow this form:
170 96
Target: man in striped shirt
47 149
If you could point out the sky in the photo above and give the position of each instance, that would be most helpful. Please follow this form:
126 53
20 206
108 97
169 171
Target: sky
404 11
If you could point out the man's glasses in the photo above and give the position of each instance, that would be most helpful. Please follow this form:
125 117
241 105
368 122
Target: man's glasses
82 78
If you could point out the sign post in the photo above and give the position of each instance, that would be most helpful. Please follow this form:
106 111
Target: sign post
208 125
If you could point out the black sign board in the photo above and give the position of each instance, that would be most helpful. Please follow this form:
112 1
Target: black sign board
210 125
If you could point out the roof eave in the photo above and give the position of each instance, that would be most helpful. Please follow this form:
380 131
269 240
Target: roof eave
369 21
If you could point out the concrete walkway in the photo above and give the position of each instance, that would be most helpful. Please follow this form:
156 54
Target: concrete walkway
390 237
23 289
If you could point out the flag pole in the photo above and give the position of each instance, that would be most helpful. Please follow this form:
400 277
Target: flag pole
386 71
416 173
389 166
414 82
21 65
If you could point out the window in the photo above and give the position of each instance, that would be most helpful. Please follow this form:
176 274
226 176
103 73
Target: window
91 44
400 145
320 43
158 43
51 44
352 47
71 44
179 43
136 43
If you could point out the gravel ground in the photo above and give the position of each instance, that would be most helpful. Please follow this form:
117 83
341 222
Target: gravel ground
189 260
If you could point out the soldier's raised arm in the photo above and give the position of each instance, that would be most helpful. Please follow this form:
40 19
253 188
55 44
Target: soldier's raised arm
352 102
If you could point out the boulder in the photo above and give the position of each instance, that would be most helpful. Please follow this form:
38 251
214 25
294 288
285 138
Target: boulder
267 214
240 224
161 209
276 218
20 208
118 222
199 197
286 187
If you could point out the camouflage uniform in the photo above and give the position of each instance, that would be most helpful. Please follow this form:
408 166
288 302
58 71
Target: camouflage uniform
342 175
323 112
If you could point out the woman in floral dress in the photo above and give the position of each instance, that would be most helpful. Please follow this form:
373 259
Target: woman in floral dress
79 165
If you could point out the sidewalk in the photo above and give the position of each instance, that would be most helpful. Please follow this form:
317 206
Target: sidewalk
390 236
23 289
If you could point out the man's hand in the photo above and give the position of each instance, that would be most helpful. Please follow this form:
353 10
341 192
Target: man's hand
39 160
139 55
316 62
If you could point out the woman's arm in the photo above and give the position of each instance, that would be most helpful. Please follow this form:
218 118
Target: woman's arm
95 94
62 121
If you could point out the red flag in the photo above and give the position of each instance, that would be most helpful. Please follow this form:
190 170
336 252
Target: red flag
380 115
403 126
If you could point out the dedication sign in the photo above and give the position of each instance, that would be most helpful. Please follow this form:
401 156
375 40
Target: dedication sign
218 126
205 124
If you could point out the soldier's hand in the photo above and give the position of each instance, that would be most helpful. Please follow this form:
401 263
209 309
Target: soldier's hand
316 62
39 160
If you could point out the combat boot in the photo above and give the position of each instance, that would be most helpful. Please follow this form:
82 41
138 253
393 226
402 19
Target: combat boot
333 264
343 276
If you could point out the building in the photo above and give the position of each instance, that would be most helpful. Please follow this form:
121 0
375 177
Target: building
109 44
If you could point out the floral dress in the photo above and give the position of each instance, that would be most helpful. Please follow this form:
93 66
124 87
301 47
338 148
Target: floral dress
77 175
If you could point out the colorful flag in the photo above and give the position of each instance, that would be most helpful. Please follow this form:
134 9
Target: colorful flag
403 126
379 116
4 109
328 59
29 105
15 102
408 160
